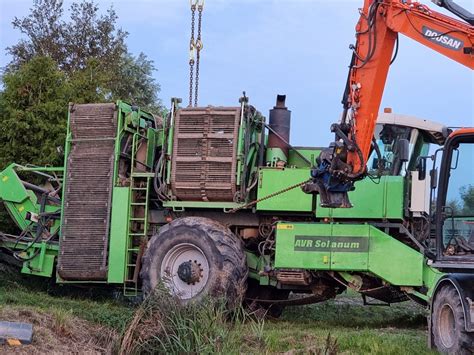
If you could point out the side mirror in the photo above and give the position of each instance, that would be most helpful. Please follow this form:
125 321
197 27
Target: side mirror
421 168
434 178
455 159
403 150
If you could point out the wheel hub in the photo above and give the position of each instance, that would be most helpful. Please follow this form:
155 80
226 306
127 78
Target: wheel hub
185 270
448 325
190 272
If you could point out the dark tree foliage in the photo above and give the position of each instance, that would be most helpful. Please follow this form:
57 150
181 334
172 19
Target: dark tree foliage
82 59
33 109
44 31
134 80
467 196
70 44
79 59
89 49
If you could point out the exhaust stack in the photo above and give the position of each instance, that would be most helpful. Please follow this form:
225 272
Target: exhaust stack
279 133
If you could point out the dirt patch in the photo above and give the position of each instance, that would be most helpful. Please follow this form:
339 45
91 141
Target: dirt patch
59 332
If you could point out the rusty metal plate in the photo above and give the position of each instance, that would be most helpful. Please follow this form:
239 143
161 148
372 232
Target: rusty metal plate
88 191
204 159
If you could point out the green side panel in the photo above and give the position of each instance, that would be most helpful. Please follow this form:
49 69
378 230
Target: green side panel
353 252
287 254
17 199
42 256
11 188
295 159
40 266
275 154
118 235
273 180
394 261
371 200
347 247
431 277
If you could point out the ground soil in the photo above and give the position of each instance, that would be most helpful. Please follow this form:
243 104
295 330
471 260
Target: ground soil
58 333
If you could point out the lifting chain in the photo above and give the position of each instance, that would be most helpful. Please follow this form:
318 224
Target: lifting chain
191 54
195 45
276 193
198 52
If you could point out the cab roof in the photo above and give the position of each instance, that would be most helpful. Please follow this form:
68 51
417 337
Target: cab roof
434 131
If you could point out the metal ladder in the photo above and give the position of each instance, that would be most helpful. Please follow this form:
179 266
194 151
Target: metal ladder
137 220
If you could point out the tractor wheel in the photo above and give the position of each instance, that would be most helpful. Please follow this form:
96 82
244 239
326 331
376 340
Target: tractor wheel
448 330
194 258
256 292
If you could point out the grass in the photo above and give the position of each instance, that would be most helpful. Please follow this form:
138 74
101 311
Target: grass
399 329
357 329
37 293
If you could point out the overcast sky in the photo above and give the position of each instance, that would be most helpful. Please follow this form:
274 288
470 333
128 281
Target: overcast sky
297 48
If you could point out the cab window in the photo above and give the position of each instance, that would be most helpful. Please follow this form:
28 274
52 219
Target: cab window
458 227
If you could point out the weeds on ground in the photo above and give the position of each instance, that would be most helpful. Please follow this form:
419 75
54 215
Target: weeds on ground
62 320
162 324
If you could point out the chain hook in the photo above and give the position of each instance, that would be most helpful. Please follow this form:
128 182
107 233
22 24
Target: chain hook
195 46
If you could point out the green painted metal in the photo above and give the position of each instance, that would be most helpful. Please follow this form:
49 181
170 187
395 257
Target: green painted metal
11 188
431 277
181 205
42 168
256 266
295 159
40 265
272 180
169 146
343 248
151 147
240 145
137 217
43 263
121 118
274 155
348 247
372 200
118 234
129 121
19 200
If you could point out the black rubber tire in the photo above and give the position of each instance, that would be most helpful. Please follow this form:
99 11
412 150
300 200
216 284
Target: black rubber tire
448 327
223 250
255 291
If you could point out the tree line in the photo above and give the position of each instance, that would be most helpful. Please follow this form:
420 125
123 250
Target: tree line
76 55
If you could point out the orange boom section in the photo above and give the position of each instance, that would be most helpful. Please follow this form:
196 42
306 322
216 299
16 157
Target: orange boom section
380 22
373 51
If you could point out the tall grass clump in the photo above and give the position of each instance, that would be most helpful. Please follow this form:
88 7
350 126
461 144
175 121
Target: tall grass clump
163 324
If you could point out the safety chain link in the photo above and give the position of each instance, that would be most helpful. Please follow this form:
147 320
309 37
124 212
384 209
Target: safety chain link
254 202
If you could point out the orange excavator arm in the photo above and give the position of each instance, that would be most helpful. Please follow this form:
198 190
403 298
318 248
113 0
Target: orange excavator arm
344 162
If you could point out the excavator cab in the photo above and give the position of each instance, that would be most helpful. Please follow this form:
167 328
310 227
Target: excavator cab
454 212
